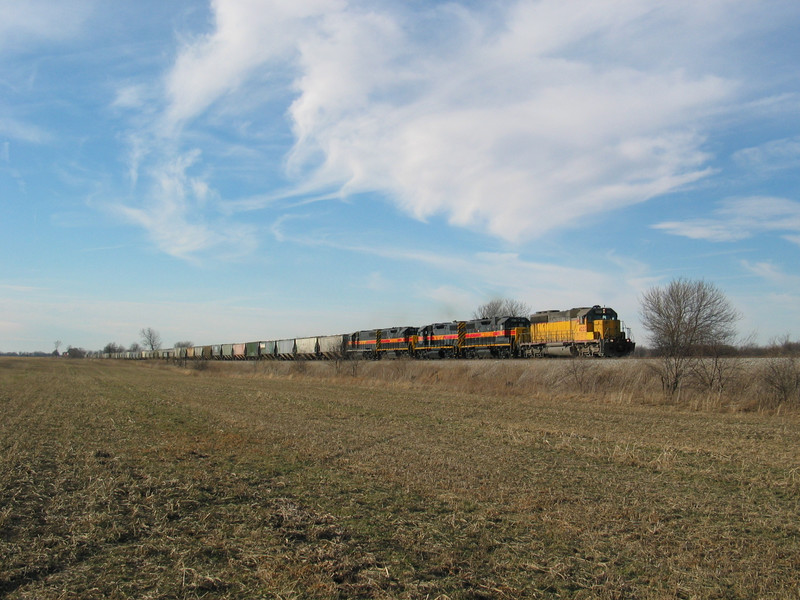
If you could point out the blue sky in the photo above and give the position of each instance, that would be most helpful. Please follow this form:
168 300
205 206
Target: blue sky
256 169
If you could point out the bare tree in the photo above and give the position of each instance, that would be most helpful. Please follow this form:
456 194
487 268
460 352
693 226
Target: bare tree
502 307
684 319
76 352
184 344
150 339
781 377
113 348
780 373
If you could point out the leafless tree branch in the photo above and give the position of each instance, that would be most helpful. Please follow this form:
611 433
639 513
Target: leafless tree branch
502 307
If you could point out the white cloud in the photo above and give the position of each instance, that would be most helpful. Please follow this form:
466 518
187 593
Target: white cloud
795 239
25 132
741 218
497 136
770 273
24 26
778 293
775 155
131 96
474 277
173 213
246 34
24 23
515 120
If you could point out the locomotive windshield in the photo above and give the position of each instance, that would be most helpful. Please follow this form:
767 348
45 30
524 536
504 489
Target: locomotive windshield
602 314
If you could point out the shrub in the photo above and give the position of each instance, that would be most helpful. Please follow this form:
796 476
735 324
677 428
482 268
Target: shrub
781 377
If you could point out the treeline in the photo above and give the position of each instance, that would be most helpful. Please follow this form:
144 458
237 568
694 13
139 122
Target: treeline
783 347
70 352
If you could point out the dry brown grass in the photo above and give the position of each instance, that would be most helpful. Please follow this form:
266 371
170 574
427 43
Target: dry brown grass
122 480
762 385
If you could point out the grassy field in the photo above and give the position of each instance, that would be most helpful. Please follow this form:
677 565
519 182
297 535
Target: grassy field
133 480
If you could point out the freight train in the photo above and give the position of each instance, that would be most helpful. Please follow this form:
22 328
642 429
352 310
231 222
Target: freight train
585 331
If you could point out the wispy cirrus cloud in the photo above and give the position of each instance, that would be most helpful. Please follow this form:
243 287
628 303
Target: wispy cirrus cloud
24 27
740 218
34 21
507 274
772 274
18 129
173 213
776 155
246 35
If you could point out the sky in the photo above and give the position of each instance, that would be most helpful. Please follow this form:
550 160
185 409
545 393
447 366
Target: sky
256 169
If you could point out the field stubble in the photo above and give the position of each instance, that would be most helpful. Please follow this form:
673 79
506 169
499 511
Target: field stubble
392 480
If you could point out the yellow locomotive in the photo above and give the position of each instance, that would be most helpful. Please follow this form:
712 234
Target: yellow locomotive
585 331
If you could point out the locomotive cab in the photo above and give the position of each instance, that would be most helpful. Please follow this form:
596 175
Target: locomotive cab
601 321
605 326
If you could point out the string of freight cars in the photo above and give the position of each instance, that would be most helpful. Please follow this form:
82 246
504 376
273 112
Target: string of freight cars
585 331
